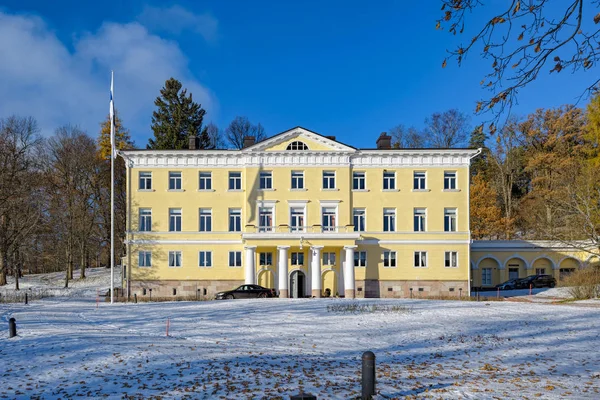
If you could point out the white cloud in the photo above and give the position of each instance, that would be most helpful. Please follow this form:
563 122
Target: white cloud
41 77
176 19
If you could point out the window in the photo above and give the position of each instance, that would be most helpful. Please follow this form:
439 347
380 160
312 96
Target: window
265 259
235 258
449 180
235 220
420 259
174 219
145 258
145 181
235 181
174 258
297 146
451 259
329 218
419 181
174 180
513 273
205 182
297 179
297 219
359 181
389 259
486 276
329 259
449 219
389 219
540 271
205 258
360 258
145 219
205 220
420 220
389 180
359 215
265 219
297 258
328 179
266 180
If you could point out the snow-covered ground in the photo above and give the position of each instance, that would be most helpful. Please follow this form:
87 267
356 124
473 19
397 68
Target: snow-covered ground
273 348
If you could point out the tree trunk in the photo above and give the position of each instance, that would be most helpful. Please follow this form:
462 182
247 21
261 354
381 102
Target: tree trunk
67 270
83 261
2 268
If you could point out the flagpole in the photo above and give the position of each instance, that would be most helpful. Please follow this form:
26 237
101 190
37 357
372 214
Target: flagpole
112 194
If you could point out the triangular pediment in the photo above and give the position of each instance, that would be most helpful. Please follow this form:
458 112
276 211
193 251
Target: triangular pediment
312 140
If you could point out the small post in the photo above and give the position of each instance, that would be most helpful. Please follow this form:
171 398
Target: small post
530 288
198 294
150 294
460 293
477 294
498 293
411 292
368 375
12 328
167 327
135 298
26 299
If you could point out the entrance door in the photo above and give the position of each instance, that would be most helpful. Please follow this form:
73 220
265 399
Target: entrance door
297 284
513 273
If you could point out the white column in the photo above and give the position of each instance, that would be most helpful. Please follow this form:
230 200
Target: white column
282 273
349 272
315 270
250 265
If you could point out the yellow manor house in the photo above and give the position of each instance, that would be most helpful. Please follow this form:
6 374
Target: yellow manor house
308 216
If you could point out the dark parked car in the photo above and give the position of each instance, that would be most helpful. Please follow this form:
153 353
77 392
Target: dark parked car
508 285
536 281
247 292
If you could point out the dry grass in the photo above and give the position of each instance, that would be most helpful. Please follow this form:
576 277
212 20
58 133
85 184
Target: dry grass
583 284
147 299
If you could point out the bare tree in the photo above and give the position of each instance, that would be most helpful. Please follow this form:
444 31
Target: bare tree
524 39
447 129
216 136
407 138
241 127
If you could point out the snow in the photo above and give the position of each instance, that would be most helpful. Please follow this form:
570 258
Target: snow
273 348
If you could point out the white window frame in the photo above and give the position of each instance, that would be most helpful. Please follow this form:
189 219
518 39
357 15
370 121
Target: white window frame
235 181
450 180
176 180
294 258
364 217
328 257
360 257
298 228
207 215
417 180
390 180
297 180
267 210
175 255
540 271
389 215
235 256
146 256
390 257
329 179
420 259
486 277
265 180
268 256
360 177
174 215
145 177
207 254
145 219
450 219
205 181
329 228
422 225
450 258
238 214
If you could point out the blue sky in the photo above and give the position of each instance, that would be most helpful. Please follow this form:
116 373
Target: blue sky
336 67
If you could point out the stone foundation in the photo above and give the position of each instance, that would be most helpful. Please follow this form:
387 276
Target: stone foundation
401 289
199 289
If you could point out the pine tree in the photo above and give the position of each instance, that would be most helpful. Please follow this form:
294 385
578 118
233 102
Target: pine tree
477 141
177 119
122 137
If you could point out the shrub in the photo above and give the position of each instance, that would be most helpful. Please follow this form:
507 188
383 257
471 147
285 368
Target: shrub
583 284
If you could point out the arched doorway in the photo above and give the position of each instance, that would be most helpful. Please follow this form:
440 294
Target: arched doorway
329 281
266 278
297 284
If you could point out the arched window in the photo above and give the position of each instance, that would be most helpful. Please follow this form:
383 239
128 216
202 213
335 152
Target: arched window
297 146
